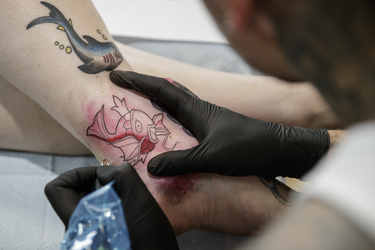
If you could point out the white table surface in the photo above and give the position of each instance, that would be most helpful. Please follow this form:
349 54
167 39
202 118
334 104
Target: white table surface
173 20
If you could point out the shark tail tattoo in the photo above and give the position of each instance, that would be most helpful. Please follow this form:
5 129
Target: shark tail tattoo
96 56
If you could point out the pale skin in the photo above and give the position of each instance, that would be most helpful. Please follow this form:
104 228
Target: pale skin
50 83
265 98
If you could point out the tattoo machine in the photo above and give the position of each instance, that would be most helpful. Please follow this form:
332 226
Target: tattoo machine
98 222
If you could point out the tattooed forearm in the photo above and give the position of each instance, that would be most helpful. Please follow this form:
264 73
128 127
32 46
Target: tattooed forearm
272 185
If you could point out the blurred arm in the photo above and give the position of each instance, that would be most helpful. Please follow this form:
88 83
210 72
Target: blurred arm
313 226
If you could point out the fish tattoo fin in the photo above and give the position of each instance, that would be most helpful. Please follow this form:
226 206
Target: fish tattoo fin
91 41
45 19
143 158
96 56
55 16
136 152
120 107
88 67
132 145
98 128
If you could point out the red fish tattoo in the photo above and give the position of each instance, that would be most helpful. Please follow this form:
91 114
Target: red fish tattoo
136 133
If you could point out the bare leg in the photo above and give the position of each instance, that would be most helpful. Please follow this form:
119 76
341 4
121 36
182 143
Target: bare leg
25 126
265 98
81 98
297 104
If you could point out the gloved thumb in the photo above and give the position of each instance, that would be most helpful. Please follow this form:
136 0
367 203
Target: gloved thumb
178 162
124 175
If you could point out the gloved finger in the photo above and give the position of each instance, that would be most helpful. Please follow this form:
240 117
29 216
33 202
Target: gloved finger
66 190
181 162
149 227
124 175
182 87
176 101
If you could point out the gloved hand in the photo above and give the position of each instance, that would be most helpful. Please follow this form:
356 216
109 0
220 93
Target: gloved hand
148 226
229 143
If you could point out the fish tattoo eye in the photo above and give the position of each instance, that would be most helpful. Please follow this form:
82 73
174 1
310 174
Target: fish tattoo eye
138 126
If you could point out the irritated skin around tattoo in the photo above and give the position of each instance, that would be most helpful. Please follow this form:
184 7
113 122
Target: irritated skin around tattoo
135 134
96 56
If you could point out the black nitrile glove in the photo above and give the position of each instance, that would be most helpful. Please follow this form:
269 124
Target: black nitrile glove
229 143
148 226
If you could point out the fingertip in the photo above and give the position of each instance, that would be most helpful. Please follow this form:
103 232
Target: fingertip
126 168
154 171
114 75
159 166
100 170
103 174
153 166
48 189
121 79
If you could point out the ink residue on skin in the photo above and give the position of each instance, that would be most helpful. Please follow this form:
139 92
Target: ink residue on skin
89 110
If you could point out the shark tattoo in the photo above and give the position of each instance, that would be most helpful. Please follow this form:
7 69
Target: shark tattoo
136 133
96 56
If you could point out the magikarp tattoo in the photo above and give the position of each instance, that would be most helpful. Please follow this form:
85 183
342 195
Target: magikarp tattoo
96 56
136 133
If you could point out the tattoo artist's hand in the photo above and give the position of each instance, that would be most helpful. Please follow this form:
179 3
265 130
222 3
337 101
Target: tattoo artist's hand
229 143
148 226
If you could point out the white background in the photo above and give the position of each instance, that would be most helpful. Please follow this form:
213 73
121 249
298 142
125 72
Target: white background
176 20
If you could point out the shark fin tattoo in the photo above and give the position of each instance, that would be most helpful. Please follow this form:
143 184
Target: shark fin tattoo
96 56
